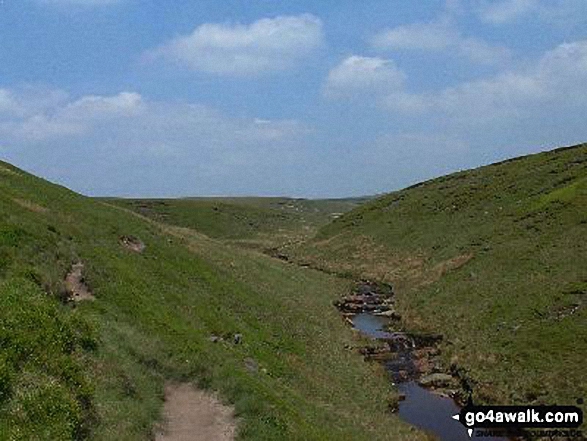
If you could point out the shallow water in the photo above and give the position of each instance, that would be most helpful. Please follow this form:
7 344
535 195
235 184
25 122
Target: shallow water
371 325
421 407
431 412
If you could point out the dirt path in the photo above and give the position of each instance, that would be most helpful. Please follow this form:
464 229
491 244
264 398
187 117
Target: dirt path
194 415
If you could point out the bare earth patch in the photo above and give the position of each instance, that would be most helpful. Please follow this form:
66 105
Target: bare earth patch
195 415
29 205
76 285
7 171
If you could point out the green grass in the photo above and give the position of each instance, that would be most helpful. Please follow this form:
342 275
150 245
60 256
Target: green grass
494 258
96 371
258 223
43 386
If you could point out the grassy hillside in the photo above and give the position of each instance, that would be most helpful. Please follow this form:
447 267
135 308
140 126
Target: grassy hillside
260 223
494 258
96 369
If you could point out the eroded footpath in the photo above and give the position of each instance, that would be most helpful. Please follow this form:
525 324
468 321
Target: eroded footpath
190 414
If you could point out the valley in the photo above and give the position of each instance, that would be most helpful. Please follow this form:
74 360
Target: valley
476 282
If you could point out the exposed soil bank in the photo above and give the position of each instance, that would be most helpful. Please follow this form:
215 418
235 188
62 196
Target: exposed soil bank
194 415
75 284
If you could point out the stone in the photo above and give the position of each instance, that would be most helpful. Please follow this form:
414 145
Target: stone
437 380
251 365
390 313
132 243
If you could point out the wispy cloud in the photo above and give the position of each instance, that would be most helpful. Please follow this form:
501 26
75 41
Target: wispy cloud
420 36
363 75
104 135
129 116
267 45
505 11
29 101
127 125
556 79
439 35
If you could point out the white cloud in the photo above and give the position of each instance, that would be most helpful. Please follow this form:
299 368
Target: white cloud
29 100
269 44
133 122
37 118
363 74
41 128
556 81
420 36
505 11
439 35
121 105
126 142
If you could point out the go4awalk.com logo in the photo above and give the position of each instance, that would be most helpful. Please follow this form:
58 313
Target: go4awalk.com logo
516 418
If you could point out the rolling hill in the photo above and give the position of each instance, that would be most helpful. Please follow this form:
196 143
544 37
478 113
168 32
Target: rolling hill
494 259
261 223
160 303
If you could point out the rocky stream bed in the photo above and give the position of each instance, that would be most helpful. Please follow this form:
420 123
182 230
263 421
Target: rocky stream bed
430 393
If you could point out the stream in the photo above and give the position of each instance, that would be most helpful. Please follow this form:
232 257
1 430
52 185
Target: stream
421 407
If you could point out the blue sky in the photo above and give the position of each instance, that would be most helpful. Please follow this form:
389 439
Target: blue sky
304 98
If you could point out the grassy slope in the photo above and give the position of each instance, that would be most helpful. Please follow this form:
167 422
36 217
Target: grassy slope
494 258
259 223
97 370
